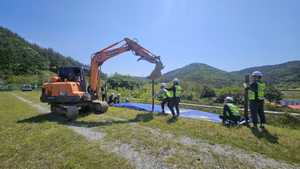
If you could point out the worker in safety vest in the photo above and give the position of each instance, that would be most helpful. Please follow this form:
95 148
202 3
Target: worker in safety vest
103 92
166 97
117 99
230 111
126 101
110 99
175 94
256 99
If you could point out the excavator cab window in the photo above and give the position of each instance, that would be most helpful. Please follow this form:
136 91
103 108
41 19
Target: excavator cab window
72 74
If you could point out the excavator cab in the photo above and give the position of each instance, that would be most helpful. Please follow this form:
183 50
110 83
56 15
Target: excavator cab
73 74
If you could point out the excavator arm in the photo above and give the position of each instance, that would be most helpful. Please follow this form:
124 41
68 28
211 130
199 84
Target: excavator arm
98 58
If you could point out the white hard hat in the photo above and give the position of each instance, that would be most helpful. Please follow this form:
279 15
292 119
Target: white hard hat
127 99
119 94
175 80
112 94
163 85
229 98
257 73
104 83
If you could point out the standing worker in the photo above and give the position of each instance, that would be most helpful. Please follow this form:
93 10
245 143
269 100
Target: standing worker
117 99
230 111
166 97
103 92
256 99
176 90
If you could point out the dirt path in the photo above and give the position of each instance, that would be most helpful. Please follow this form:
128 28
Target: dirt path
196 152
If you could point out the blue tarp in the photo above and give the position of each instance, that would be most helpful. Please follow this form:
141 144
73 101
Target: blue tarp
186 113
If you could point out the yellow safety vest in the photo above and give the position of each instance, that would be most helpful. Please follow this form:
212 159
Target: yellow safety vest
177 91
261 91
103 92
165 95
234 110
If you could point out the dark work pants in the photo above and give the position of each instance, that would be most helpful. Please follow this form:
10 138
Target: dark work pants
168 101
257 107
103 97
174 103
233 118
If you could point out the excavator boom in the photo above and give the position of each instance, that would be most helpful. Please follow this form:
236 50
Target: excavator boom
100 57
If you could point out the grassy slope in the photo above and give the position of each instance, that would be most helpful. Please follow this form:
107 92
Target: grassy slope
272 142
45 143
55 144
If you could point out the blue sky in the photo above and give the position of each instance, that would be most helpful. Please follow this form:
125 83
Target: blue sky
228 35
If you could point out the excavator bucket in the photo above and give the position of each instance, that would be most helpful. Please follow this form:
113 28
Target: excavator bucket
156 73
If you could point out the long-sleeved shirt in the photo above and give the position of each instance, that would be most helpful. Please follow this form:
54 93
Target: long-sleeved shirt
103 88
226 109
253 86
162 91
110 100
173 89
117 100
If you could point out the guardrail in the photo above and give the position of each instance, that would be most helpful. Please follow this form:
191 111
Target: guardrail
241 109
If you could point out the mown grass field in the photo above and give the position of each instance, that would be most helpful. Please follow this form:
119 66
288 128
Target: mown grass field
43 143
30 139
291 95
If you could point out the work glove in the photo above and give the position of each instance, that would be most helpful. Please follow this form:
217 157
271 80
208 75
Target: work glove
245 85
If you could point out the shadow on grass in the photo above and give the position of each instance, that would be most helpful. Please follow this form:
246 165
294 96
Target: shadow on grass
50 117
172 120
38 119
266 135
232 126
146 117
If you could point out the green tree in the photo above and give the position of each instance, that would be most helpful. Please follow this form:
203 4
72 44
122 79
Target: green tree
237 93
208 91
273 94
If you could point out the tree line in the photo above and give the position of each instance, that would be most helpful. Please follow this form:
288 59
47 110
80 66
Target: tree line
21 58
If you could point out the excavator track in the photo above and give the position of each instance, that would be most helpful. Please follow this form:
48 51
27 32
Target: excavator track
99 106
67 112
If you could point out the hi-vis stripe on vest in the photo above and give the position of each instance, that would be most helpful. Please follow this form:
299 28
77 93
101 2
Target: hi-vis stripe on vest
261 92
103 92
177 92
234 110
166 94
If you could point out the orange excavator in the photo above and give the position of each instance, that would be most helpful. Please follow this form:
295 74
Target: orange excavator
69 91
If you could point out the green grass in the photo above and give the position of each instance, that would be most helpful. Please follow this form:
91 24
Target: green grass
291 95
30 139
271 142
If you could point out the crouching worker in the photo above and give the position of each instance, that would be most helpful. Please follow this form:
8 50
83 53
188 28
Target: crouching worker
126 101
166 97
230 111
110 99
117 99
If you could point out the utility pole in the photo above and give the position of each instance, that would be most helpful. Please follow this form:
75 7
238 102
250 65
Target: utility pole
142 81
48 64
152 95
246 98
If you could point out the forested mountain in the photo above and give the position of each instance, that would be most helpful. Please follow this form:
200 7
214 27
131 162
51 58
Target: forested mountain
18 57
199 72
285 75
